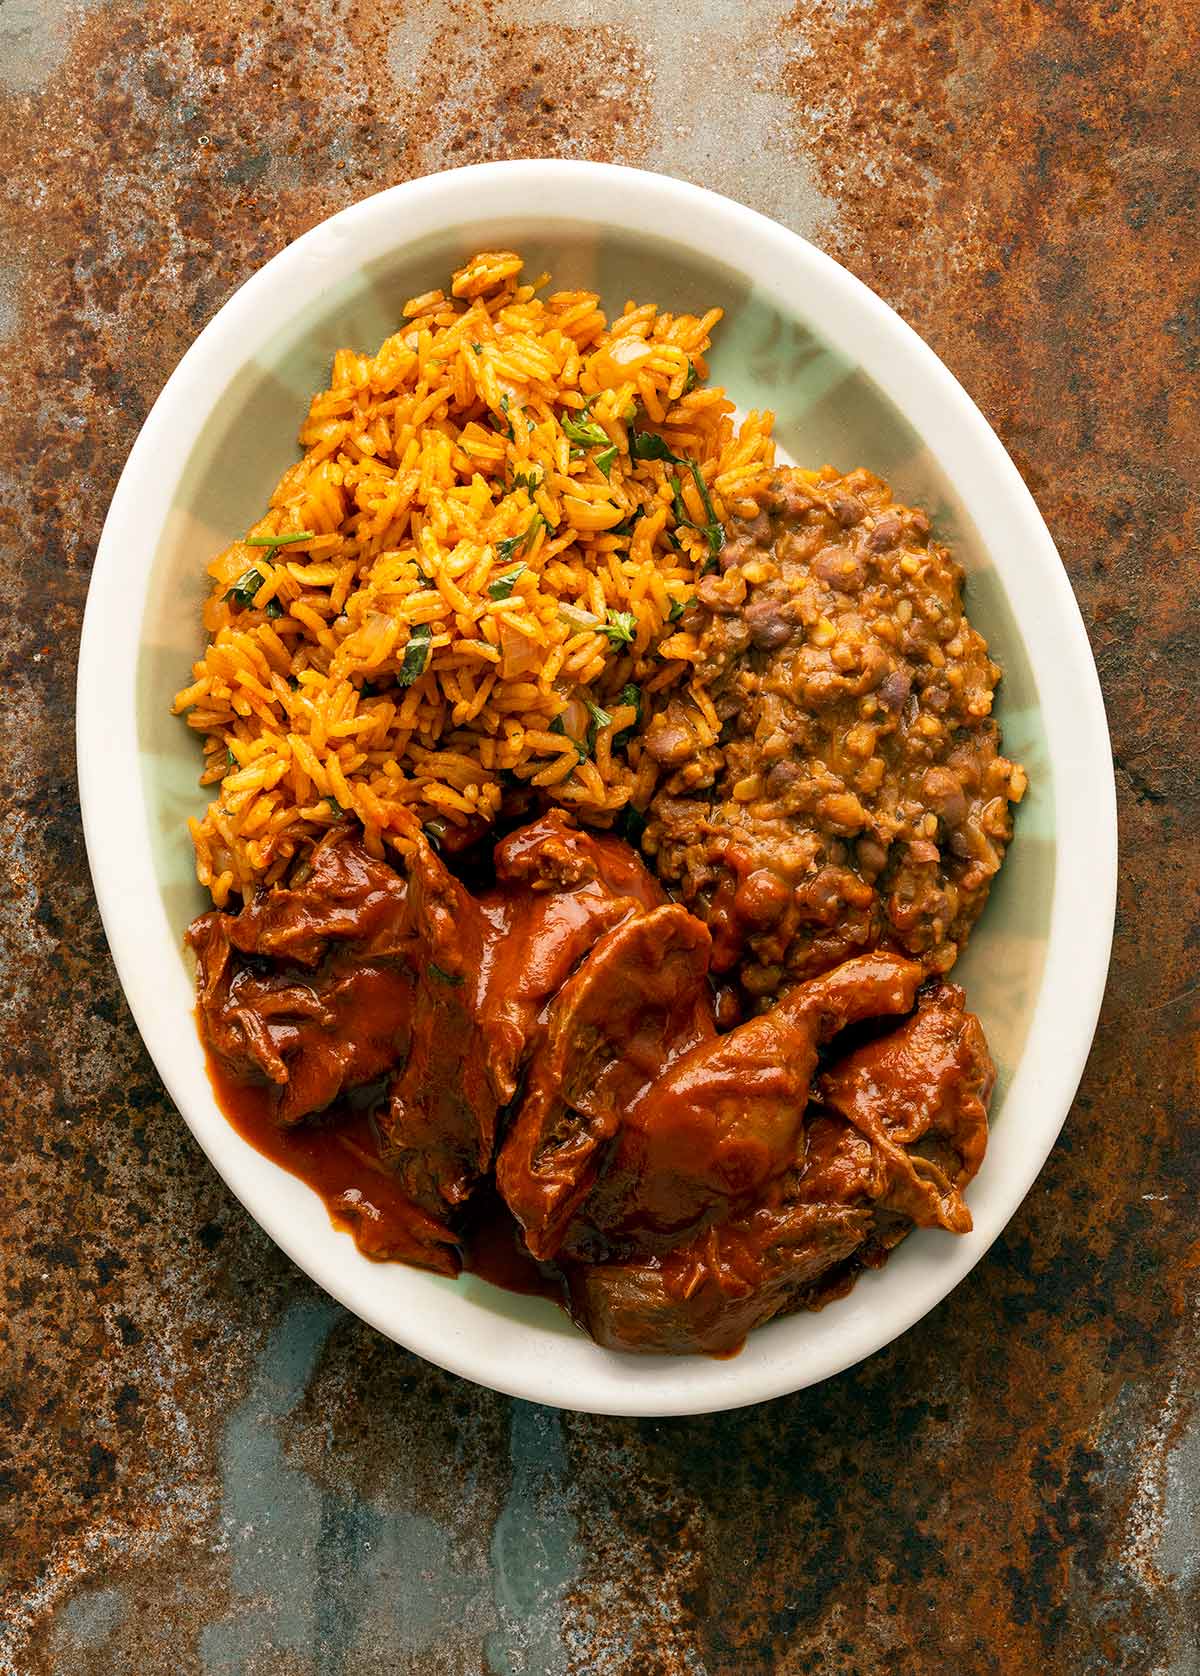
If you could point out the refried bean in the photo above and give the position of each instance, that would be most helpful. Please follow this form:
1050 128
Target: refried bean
856 796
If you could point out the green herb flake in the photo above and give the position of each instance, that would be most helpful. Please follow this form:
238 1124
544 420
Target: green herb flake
244 589
620 628
713 531
693 378
630 824
280 540
678 607
648 445
416 655
530 480
503 586
442 976
559 726
604 461
504 427
587 432
677 506
629 694
600 720
335 808
508 549
274 609
230 760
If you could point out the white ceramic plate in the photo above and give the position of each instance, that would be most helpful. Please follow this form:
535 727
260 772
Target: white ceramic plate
850 383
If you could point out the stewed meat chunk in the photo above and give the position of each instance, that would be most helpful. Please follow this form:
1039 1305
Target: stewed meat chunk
638 1002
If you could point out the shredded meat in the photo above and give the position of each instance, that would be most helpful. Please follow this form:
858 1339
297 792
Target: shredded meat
306 989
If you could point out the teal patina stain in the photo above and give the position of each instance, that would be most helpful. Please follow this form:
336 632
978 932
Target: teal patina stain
315 1573
534 1553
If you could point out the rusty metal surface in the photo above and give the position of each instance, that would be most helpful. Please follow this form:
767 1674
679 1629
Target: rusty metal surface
206 1467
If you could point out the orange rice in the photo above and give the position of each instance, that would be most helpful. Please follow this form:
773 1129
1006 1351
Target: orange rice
458 584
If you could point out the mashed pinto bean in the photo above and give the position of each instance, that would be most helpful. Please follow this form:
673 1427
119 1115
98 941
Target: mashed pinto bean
856 797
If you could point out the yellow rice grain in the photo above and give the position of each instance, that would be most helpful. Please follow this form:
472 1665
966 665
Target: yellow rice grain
378 660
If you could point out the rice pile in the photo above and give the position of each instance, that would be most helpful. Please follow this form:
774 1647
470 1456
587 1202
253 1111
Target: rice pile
472 577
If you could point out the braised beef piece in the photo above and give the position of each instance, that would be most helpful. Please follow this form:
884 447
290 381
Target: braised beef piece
717 1126
438 1126
887 1147
856 796
490 968
339 895
348 972
919 1096
638 1001
307 988
557 891
707 1294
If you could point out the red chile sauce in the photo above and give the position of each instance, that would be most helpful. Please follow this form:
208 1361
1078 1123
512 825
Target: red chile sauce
340 1156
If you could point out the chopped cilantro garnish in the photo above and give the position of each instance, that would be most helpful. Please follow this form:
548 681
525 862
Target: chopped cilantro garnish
605 458
693 378
558 726
512 544
530 480
503 586
587 432
678 607
677 506
600 718
435 831
646 445
713 531
416 655
244 589
505 427
629 694
620 628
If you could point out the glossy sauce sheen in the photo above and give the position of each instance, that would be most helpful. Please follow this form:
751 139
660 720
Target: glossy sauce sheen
530 1083
341 1157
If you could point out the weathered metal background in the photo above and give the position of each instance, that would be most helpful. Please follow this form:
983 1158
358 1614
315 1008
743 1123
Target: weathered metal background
205 1466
